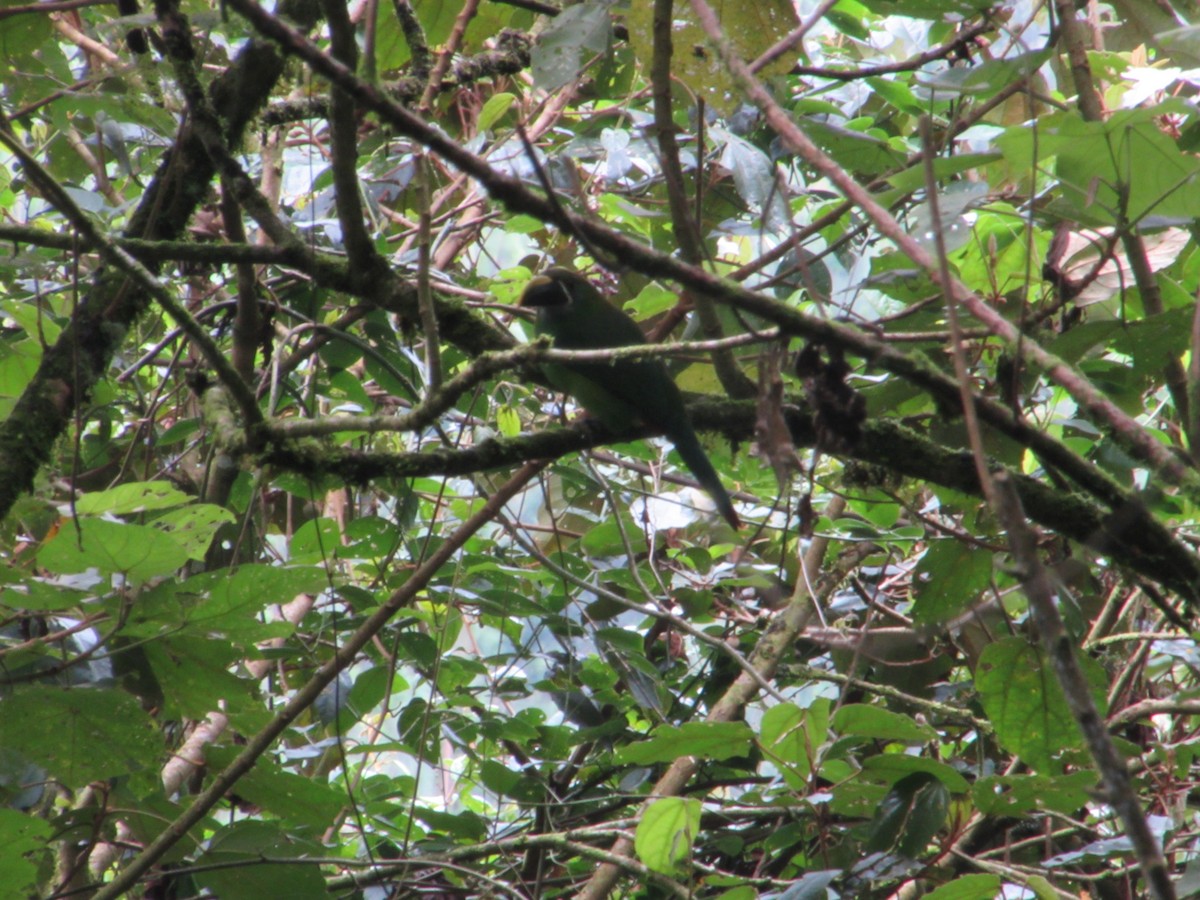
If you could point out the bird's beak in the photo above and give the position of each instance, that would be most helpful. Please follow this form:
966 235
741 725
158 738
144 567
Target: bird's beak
543 291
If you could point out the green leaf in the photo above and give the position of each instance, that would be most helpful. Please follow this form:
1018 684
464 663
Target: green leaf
344 384
604 539
893 767
24 839
508 420
80 735
937 10
651 301
1021 795
495 109
137 551
134 497
853 150
913 811
913 178
194 677
739 893
293 797
574 35
194 527
232 854
1041 887
986 77
464 826
39 593
497 777
706 740
666 832
417 648
20 39
369 537
18 364
1026 705
369 689
1154 341
754 178
898 94
750 28
33 319
519 225
1124 169
968 887
793 735
178 432
863 720
229 602
341 355
315 541
951 574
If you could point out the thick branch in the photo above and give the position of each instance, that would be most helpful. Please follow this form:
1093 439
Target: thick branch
1130 535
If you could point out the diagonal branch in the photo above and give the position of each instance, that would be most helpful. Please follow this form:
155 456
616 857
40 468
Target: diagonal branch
1038 585
685 228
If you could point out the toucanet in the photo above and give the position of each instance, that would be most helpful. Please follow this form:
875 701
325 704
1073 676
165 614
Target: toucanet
623 393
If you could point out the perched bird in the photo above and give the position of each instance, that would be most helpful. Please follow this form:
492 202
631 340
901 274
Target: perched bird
622 393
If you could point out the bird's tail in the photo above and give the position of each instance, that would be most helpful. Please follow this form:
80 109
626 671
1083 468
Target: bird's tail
697 461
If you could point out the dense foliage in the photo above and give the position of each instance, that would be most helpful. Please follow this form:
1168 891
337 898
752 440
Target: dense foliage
313 587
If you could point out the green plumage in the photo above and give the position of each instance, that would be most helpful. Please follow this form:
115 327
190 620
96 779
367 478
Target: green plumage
623 393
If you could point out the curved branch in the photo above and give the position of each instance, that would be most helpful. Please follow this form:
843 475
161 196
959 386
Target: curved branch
956 44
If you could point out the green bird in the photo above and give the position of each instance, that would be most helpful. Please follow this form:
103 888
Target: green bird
622 393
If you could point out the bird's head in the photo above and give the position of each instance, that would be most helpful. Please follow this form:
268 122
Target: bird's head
572 311
558 291
555 291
